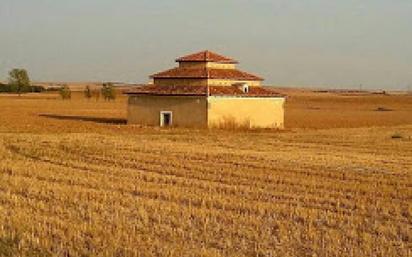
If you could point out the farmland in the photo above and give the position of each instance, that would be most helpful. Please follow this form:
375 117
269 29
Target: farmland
75 180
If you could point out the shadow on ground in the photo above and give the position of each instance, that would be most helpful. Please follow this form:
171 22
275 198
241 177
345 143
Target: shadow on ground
86 118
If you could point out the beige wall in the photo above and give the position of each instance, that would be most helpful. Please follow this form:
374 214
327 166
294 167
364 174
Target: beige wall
187 111
192 65
213 65
225 82
180 82
246 112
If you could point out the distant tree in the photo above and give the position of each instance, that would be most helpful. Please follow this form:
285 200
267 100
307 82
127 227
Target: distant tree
19 80
65 92
88 92
7 88
108 92
37 89
4 88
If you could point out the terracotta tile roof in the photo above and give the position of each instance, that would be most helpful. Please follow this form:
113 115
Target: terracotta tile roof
206 56
236 91
168 90
202 91
232 74
206 73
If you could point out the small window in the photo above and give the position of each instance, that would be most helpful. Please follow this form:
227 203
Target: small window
165 119
245 88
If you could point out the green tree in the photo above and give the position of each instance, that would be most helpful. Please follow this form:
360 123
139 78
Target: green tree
65 92
88 92
108 92
19 80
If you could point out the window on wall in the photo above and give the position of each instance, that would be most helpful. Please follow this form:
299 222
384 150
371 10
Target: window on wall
166 118
245 88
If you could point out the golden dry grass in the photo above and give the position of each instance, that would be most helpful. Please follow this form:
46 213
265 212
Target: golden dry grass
311 110
78 182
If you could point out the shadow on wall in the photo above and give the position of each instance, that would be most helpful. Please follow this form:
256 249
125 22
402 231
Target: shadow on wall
86 118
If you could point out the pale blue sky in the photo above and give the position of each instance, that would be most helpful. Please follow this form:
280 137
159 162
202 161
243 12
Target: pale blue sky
332 43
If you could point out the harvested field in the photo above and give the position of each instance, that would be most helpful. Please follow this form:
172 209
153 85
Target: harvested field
306 110
319 111
76 181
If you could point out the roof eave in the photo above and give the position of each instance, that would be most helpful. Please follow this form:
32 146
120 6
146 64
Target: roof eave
165 94
200 77
205 94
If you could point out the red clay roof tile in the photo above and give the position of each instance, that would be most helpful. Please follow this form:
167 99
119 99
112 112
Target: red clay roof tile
202 91
206 56
206 73
167 90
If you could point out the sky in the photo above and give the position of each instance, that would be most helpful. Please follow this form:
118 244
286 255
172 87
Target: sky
302 43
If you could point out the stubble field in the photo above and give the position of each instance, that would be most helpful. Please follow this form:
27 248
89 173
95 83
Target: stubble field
76 181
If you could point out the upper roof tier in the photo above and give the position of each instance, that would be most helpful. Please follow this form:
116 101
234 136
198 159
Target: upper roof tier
206 73
206 56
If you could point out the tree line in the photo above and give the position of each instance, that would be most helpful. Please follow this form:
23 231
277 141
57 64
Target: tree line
107 91
19 83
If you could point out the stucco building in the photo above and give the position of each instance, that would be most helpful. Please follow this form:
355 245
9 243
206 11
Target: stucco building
205 90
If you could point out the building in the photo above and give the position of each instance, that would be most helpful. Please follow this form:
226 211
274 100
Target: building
205 90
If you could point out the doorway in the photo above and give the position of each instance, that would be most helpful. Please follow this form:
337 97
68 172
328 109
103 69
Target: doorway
165 119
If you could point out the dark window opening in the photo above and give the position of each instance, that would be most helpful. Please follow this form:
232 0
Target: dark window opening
165 119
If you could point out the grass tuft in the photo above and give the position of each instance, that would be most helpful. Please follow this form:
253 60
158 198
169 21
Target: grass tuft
383 109
397 136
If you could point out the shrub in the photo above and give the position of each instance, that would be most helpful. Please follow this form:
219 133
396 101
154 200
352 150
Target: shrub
108 92
65 92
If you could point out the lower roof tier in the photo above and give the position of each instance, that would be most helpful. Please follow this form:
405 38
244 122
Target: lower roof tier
202 91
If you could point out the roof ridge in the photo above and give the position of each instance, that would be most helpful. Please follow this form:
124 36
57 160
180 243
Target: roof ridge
206 56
